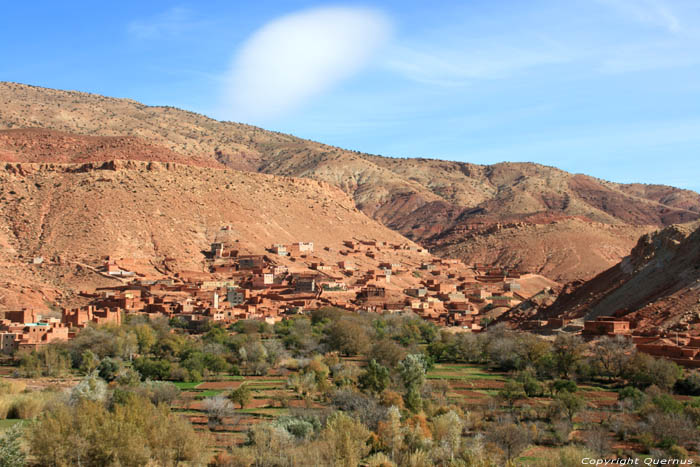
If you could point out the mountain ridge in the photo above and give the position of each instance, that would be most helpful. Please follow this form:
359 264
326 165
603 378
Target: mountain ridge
426 200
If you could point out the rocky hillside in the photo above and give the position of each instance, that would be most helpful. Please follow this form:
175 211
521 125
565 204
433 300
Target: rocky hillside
537 217
160 215
657 287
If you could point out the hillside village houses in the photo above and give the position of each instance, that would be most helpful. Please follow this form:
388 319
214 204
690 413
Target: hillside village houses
288 279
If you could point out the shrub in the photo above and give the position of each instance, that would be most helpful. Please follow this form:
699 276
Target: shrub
26 407
690 385
11 387
11 452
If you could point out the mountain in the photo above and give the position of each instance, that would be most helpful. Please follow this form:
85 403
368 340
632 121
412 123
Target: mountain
69 210
548 221
656 287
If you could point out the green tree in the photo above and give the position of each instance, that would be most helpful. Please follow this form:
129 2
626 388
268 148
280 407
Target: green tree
88 362
108 369
375 379
569 403
511 393
412 370
11 452
241 395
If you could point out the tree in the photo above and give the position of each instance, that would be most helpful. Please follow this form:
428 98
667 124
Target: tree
145 337
567 350
511 393
510 438
348 336
598 440
387 352
108 369
447 433
375 379
563 385
11 452
391 433
88 362
134 432
569 403
241 395
90 388
612 355
644 370
217 408
412 370
345 441
152 369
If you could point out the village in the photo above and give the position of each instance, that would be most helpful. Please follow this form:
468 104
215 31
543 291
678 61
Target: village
291 279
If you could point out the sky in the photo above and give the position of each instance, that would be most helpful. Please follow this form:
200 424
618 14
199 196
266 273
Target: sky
610 88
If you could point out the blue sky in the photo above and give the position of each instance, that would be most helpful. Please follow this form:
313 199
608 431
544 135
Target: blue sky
610 88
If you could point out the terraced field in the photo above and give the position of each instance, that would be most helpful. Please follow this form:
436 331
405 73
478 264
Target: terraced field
270 399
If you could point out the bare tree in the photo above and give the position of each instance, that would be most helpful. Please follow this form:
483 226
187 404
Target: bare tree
510 438
598 440
217 408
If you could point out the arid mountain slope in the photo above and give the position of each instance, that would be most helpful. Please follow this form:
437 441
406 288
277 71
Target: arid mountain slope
656 287
42 146
163 215
430 201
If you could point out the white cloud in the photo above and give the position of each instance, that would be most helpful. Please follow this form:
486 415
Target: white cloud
298 56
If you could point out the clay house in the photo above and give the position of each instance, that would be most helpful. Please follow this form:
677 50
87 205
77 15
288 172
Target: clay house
25 315
390 266
280 250
394 307
453 297
371 293
211 285
346 265
251 262
264 280
444 288
683 355
301 248
8 342
480 294
320 266
279 270
511 286
416 292
217 249
502 301
605 325
112 269
462 308
305 284
31 336
80 317
333 286
383 277
223 250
